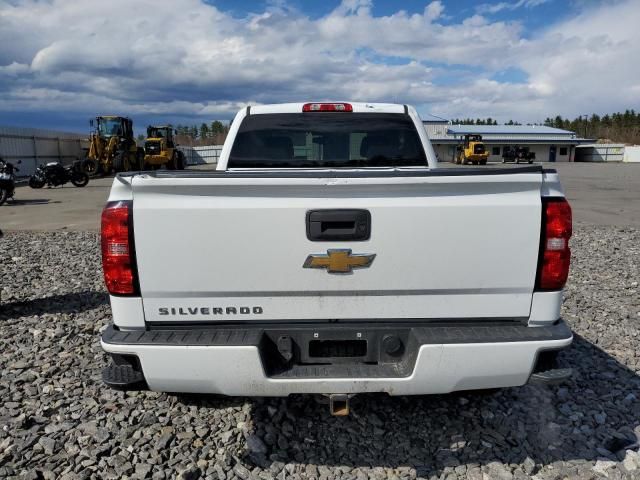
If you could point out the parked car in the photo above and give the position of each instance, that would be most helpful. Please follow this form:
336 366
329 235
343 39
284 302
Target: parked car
330 254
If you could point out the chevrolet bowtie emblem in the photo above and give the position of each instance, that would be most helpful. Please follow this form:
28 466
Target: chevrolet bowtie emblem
339 261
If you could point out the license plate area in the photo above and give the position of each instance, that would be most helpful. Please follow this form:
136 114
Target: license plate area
337 348
303 348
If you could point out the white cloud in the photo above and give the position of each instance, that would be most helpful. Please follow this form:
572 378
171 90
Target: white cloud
434 10
353 7
195 60
14 68
493 8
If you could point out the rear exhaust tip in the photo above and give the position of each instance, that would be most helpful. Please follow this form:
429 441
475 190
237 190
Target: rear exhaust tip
339 404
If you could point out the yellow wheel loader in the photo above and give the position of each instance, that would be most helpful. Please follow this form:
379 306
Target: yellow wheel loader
160 149
112 146
472 150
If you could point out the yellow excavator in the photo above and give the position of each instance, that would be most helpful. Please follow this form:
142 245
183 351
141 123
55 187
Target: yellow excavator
112 146
472 150
160 149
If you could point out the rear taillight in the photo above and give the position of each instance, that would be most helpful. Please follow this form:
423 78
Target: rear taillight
327 107
118 253
555 255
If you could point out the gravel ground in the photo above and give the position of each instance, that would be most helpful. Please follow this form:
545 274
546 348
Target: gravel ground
57 420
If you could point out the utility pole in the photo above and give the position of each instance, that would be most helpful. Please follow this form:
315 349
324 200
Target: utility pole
585 124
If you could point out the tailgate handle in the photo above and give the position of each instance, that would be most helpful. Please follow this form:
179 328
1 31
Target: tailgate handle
338 224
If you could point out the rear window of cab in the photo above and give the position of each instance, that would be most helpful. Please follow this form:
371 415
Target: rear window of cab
327 140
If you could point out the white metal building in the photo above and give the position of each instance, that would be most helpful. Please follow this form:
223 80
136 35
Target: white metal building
600 152
632 154
549 144
35 146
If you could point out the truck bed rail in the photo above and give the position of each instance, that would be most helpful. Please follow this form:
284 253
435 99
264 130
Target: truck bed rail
343 173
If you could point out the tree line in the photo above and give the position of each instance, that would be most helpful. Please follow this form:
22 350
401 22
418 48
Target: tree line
213 133
619 127
477 121
481 121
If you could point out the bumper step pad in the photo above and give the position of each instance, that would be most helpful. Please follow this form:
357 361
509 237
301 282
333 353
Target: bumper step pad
551 377
123 377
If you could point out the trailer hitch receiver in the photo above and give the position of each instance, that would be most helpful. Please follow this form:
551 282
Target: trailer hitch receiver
339 404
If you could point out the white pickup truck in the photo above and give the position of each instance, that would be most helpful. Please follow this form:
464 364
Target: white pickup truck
330 254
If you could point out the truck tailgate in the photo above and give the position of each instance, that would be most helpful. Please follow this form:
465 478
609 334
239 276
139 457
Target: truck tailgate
230 246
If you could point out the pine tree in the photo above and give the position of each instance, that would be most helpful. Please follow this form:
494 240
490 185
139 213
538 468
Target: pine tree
217 127
558 122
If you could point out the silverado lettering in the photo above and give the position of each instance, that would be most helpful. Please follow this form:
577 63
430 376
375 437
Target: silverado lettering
209 310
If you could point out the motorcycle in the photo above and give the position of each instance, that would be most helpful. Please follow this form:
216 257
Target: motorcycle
54 174
7 180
